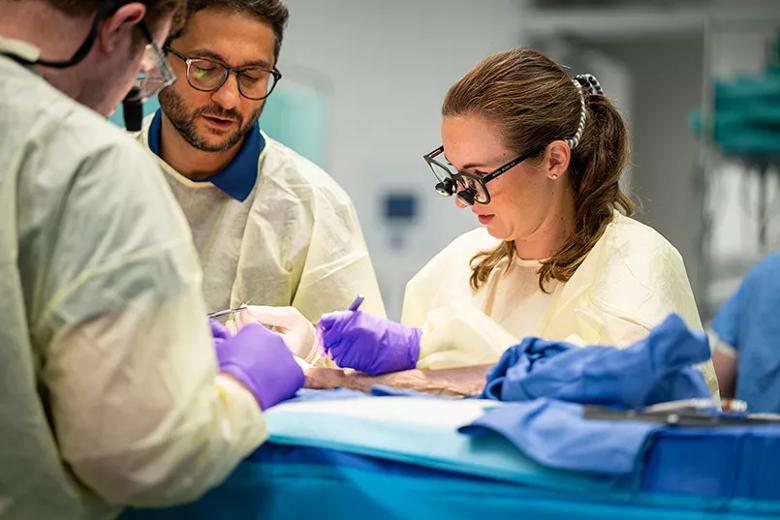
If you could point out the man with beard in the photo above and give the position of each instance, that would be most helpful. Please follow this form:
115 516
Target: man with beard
271 228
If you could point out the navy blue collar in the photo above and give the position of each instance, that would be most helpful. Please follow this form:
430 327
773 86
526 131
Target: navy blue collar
239 177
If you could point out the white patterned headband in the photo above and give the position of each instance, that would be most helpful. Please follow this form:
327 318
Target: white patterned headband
586 84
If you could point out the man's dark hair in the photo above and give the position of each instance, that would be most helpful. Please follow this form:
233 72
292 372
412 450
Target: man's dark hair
271 11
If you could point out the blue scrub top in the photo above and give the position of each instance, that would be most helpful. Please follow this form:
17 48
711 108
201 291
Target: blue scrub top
239 177
750 323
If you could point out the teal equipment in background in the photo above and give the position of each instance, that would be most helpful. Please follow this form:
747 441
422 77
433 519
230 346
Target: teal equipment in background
745 126
746 123
294 115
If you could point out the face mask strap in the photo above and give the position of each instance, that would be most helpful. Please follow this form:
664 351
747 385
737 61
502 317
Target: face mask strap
106 9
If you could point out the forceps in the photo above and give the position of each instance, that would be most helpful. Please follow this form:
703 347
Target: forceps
217 314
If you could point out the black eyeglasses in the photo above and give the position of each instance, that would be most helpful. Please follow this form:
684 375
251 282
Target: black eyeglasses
206 75
469 187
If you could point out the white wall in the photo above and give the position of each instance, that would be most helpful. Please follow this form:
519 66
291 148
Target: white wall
385 67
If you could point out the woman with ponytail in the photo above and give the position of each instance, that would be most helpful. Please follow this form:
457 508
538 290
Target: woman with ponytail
537 157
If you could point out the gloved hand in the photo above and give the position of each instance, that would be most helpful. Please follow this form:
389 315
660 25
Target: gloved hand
218 331
355 339
294 327
260 360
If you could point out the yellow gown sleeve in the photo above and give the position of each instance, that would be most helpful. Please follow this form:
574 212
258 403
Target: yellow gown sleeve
439 301
139 411
140 414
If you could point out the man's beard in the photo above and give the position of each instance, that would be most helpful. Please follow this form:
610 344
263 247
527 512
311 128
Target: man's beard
184 121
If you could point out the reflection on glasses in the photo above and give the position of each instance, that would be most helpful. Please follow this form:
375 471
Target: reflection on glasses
155 73
469 187
206 75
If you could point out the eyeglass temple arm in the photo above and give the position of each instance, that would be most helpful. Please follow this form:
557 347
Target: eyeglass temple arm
513 163
430 155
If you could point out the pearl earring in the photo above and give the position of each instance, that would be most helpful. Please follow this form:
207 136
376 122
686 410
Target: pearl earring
554 176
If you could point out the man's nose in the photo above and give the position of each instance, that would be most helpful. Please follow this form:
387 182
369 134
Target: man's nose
228 96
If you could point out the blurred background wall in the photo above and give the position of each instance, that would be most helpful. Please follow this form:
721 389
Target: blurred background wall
387 66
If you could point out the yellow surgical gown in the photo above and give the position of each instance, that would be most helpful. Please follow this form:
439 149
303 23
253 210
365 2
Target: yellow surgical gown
628 283
109 392
295 240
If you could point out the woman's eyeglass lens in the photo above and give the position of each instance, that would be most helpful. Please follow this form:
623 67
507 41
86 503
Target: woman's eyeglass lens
467 186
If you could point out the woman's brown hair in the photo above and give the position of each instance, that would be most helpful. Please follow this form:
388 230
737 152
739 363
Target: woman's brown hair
534 102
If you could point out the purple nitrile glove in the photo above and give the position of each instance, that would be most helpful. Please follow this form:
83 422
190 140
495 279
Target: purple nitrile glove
218 331
260 360
355 339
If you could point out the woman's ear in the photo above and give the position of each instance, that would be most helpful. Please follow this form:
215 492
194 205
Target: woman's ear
556 159
113 30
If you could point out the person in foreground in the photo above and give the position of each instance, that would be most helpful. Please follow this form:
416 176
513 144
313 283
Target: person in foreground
537 157
113 391
271 228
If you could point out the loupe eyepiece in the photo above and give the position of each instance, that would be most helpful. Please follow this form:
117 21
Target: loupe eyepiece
446 188
468 195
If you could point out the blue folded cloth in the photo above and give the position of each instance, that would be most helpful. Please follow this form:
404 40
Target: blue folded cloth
555 434
550 378
389 391
655 369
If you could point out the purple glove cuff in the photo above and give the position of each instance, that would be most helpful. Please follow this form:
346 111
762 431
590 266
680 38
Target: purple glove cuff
400 350
238 373
260 360
414 349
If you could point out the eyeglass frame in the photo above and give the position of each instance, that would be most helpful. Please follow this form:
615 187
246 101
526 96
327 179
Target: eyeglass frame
166 72
482 180
228 70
